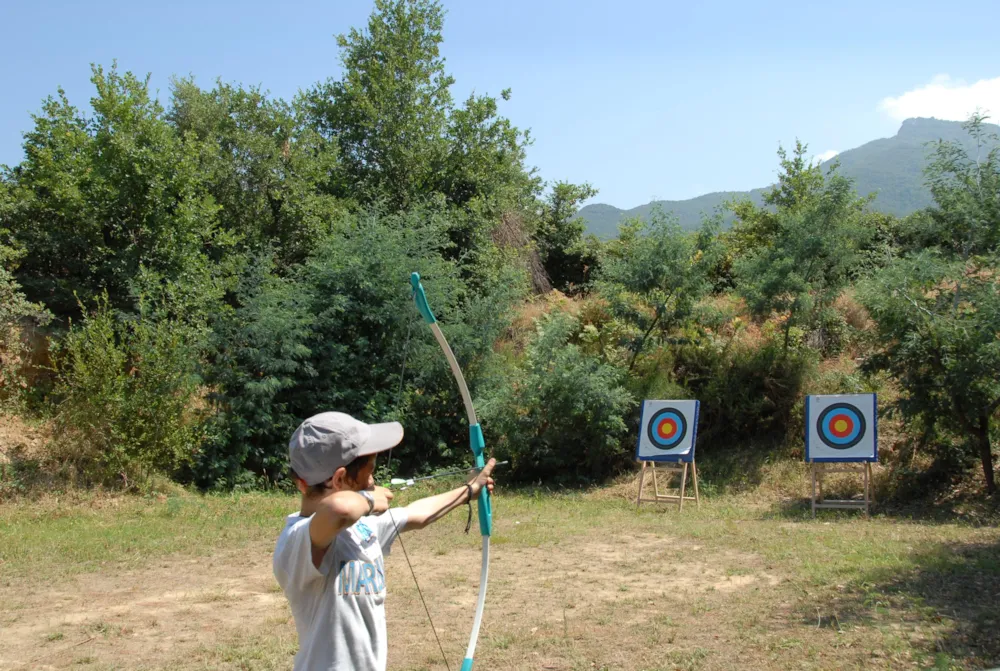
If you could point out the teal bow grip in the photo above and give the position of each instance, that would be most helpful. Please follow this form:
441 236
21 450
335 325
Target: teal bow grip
478 446
420 298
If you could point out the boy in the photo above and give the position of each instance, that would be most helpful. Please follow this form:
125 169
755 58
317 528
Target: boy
328 559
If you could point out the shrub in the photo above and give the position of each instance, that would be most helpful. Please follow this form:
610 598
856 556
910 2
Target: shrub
14 311
127 397
559 415
748 384
335 335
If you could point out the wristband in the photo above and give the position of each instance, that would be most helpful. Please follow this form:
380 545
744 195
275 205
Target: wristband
371 500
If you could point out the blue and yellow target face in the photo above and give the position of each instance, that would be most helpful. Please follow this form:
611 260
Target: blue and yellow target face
667 428
667 431
841 428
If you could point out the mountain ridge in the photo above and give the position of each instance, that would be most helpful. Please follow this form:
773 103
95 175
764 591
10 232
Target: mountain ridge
891 167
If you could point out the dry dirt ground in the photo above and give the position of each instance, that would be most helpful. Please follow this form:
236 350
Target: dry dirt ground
577 583
193 613
610 602
172 614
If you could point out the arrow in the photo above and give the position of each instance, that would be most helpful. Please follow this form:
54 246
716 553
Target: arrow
409 483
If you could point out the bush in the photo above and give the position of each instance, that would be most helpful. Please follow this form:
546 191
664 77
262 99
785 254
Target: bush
334 336
127 397
560 413
14 311
748 384
260 354
831 333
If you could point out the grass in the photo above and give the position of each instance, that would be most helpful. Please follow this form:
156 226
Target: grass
54 537
579 581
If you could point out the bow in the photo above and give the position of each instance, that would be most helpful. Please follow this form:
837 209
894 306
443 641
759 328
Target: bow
478 445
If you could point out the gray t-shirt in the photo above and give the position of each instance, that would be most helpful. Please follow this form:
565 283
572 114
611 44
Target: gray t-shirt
339 609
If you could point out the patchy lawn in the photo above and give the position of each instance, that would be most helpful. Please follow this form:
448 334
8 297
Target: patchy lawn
577 581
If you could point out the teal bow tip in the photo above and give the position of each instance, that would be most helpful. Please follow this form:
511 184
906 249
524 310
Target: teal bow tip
421 298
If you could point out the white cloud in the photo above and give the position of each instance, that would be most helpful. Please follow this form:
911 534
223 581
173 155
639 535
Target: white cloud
946 99
826 155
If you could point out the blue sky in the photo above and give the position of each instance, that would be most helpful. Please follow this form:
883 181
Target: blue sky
643 99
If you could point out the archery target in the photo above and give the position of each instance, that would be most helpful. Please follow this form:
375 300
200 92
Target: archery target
667 431
841 428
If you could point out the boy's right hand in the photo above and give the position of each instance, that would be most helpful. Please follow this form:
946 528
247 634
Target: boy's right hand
382 496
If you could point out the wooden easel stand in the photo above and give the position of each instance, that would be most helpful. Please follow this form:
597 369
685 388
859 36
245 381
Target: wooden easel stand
672 468
820 469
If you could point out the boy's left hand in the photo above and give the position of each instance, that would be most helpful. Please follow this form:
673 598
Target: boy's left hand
484 479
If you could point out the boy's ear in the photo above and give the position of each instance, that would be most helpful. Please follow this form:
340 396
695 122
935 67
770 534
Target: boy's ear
339 481
301 485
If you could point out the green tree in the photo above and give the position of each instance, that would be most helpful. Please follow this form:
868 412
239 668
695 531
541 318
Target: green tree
484 178
938 309
334 334
114 202
560 235
44 199
937 324
652 277
402 141
802 253
261 354
271 175
800 183
389 112
15 310
966 210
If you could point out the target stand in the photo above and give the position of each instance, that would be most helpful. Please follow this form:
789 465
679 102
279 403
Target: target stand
820 469
841 437
666 440
672 469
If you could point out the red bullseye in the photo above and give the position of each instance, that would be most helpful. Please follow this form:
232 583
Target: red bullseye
841 425
667 429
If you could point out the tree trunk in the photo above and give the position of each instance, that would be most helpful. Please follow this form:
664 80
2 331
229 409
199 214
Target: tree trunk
642 343
788 331
985 451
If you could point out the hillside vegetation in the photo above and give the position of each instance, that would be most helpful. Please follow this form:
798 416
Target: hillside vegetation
182 284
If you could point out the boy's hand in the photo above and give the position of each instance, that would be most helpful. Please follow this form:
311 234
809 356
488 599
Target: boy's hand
430 509
382 496
484 479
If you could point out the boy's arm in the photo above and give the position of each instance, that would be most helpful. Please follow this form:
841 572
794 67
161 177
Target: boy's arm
340 510
424 511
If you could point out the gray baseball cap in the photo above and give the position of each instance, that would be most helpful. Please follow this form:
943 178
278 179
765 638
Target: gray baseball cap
327 441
